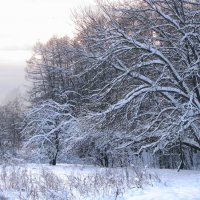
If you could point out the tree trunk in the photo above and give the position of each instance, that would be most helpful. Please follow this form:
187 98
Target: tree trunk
53 161
181 165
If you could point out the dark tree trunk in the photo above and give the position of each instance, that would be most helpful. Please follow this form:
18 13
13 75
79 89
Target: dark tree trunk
53 161
181 165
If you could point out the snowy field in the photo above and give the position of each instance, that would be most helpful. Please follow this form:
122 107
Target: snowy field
68 182
183 185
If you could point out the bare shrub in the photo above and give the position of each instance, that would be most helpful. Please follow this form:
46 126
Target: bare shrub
43 183
109 181
32 185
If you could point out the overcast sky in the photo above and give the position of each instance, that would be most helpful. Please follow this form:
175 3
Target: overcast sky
22 24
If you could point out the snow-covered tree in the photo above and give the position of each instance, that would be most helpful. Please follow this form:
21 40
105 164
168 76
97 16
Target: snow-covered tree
133 68
49 70
154 46
11 116
46 128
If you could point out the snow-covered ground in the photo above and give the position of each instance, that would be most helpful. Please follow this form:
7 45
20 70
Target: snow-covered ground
183 185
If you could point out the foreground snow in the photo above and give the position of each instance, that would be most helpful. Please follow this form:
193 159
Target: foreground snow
173 185
183 185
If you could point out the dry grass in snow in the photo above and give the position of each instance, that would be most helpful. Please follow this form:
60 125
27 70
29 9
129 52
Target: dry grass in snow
48 183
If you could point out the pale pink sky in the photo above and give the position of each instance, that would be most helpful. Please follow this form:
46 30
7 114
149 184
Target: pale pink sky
22 24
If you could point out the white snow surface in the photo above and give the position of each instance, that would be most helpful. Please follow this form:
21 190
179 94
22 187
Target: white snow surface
183 185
